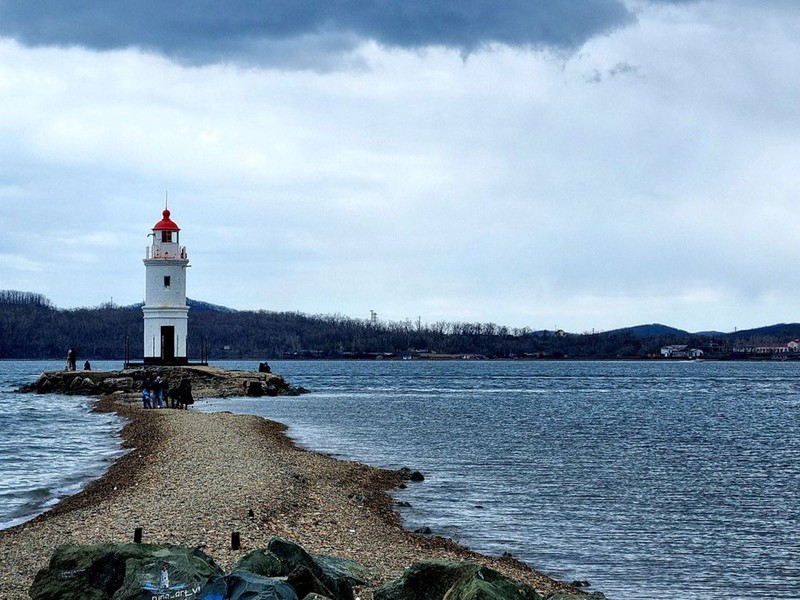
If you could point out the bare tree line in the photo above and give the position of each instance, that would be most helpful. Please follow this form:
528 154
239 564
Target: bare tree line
30 327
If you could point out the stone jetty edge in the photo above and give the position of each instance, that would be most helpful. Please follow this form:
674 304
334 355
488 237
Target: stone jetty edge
354 498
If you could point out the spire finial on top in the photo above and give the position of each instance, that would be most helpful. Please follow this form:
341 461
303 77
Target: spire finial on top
166 199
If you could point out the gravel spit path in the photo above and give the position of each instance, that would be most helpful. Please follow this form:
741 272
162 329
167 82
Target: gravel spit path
193 478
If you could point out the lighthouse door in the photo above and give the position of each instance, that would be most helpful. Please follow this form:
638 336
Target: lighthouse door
167 343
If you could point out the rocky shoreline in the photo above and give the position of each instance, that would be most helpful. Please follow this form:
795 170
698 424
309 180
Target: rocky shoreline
206 382
193 479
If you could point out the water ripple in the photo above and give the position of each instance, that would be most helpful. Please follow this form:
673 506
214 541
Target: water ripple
649 479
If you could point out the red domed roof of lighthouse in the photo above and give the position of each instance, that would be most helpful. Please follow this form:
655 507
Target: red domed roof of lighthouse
166 223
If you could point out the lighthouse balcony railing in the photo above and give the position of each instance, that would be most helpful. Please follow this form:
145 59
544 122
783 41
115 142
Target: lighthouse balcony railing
166 253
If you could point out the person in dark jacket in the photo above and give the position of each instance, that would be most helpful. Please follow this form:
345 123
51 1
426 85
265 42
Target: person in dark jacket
185 393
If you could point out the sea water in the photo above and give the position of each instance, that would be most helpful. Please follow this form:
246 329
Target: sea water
648 479
51 445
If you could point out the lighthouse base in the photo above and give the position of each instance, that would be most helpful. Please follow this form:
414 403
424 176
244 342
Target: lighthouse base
152 362
168 362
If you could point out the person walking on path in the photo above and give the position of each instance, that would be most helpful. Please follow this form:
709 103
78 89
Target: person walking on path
165 394
158 389
146 392
151 391
185 393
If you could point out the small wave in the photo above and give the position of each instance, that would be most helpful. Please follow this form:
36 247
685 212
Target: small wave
25 504
13 522
52 448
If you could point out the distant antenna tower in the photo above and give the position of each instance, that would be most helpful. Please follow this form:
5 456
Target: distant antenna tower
373 317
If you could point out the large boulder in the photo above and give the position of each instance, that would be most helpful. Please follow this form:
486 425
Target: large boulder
123 572
305 582
113 384
255 388
42 385
425 580
322 575
173 574
247 586
341 568
488 584
441 580
260 562
215 588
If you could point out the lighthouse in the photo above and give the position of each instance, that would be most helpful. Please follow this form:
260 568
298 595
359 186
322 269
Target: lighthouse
166 314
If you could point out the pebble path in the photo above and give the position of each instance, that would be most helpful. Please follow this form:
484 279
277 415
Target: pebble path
194 478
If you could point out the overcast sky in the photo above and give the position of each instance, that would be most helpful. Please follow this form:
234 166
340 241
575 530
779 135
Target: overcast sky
585 164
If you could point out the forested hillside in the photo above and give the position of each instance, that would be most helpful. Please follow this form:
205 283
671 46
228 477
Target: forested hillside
31 327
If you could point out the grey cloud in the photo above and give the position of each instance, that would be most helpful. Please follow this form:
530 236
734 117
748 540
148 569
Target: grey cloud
203 31
621 68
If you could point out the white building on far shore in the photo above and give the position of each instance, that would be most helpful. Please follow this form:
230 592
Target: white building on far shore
680 351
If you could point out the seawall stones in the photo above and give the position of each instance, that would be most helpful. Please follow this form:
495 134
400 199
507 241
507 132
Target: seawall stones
206 382
441 580
282 571
124 572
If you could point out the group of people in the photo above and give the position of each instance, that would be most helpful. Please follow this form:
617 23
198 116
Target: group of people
72 359
157 394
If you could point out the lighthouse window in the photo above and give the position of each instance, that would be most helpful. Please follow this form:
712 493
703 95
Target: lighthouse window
166 236
166 281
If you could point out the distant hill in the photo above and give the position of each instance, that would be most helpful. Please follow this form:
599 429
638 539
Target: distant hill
787 331
652 330
194 305
200 306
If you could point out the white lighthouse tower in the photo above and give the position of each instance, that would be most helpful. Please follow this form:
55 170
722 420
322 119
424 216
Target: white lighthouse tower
166 314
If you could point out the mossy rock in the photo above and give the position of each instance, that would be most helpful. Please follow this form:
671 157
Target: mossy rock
443 580
121 572
425 580
324 575
488 584
260 562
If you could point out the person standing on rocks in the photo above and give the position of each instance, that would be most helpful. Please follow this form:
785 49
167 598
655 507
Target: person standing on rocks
72 356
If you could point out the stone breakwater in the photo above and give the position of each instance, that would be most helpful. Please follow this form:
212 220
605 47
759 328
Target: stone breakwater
281 571
192 479
206 382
